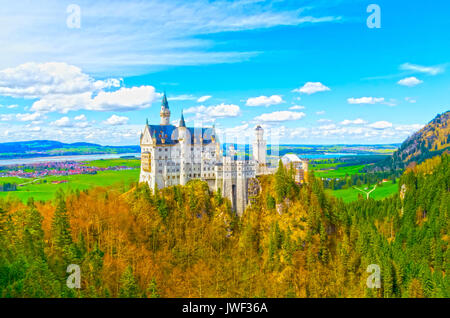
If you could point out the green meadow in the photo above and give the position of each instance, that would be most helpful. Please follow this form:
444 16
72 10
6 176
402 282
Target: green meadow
103 163
44 189
351 194
335 171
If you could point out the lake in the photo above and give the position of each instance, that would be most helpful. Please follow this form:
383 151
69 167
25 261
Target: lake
22 161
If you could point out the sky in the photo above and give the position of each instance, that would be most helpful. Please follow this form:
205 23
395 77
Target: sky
308 72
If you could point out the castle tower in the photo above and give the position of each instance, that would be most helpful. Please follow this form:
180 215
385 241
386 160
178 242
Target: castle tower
183 139
259 146
165 111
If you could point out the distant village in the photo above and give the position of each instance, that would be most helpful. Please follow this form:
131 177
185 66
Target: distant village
46 169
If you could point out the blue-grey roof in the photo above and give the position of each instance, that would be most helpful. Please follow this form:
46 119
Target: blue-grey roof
170 134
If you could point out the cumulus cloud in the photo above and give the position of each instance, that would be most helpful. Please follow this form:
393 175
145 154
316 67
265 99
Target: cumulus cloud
327 127
35 80
311 88
28 116
297 107
357 121
115 120
431 70
264 100
211 113
6 117
123 99
62 87
410 81
62 122
365 100
280 116
381 125
80 117
203 98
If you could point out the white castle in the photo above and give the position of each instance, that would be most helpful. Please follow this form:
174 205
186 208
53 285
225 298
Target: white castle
173 155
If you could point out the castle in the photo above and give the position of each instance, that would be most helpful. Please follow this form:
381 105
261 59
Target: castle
173 155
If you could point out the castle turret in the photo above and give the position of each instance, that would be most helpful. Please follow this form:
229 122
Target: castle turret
259 147
184 140
165 111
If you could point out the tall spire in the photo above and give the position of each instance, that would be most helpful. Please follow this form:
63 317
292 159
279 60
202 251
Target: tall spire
182 122
165 111
164 101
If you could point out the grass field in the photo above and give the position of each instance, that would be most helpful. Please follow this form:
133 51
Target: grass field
351 194
103 163
339 172
45 191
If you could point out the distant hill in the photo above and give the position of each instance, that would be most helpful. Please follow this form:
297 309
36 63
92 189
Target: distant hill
430 141
43 148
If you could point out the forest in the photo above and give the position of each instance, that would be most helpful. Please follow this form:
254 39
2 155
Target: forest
185 241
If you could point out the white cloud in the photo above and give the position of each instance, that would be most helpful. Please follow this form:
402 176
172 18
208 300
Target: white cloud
203 98
123 99
80 117
365 100
357 121
34 80
311 88
432 70
211 113
6 117
115 120
320 112
327 127
279 116
323 120
264 100
28 116
381 125
62 122
181 97
62 87
12 106
297 107
410 100
410 81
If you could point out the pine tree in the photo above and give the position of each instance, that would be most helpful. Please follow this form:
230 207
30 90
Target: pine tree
152 290
128 285
60 229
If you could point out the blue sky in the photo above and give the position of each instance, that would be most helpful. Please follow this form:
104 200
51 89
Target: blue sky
310 72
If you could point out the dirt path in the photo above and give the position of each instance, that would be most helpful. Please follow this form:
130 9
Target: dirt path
366 192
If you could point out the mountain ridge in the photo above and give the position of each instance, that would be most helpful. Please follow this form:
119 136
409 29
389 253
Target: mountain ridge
431 140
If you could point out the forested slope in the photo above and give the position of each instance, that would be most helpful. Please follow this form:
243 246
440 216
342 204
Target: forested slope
185 241
430 141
